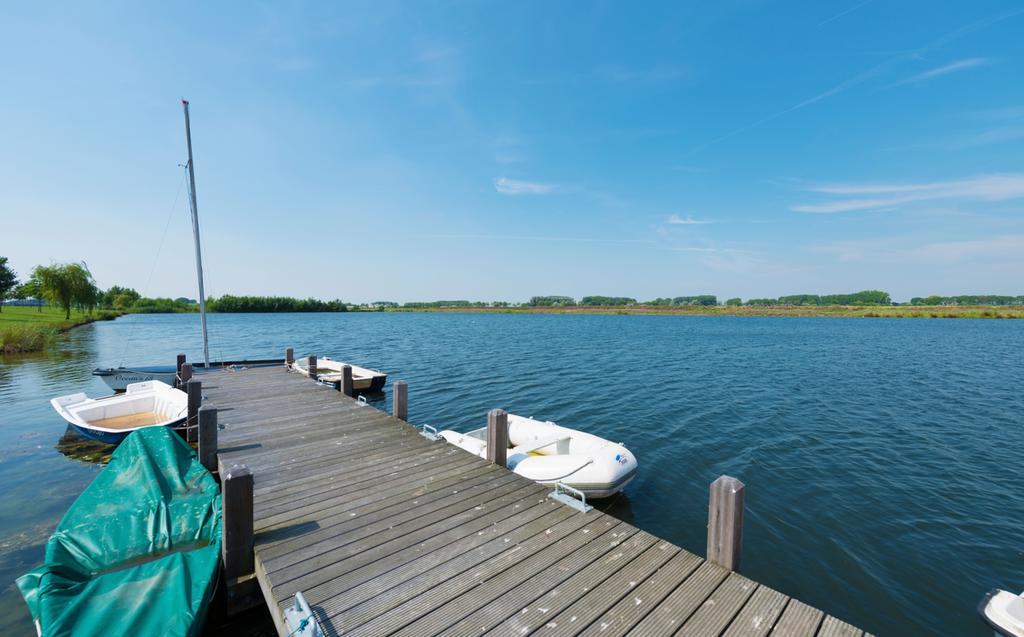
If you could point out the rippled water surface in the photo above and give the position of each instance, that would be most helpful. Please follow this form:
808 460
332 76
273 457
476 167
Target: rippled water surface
882 457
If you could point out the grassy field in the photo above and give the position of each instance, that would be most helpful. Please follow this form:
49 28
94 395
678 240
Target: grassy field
26 329
897 311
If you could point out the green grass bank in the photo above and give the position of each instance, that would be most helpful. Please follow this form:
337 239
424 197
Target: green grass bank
27 329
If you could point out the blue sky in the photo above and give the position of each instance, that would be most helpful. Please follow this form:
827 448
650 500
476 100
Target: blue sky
498 150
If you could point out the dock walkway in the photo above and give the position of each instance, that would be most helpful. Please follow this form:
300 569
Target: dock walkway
387 533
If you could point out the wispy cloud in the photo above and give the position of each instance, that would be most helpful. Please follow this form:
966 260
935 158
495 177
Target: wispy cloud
618 74
513 237
507 186
998 187
711 250
902 250
843 13
676 220
861 78
953 67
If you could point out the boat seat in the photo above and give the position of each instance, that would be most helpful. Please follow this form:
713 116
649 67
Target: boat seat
540 444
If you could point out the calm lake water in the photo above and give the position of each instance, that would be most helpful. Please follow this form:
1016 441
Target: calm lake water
882 457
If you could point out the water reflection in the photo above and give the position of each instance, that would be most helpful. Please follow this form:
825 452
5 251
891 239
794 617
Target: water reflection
77 447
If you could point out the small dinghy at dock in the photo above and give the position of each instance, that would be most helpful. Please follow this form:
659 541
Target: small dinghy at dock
1003 612
547 453
329 370
137 553
110 419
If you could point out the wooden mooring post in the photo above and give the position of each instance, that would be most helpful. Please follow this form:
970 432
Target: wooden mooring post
237 538
289 356
184 375
400 400
725 522
345 384
312 366
177 368
208 437
195 399
497 436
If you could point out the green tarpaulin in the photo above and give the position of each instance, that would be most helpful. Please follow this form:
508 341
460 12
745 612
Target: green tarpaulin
137 552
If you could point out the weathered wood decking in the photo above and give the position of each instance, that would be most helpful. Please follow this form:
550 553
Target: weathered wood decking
387 533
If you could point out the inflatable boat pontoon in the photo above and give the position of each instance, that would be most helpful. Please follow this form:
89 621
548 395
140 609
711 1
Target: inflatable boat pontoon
547 453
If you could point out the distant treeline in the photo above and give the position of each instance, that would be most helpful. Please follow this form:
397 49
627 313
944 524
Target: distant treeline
129 300
230 303
967 299
866 297
863 298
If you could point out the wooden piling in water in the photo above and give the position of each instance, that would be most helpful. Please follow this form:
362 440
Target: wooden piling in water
184 375
497 436
312 366
237 538
195 399
177 368
725 522
400 400
208 437
289 356
345 386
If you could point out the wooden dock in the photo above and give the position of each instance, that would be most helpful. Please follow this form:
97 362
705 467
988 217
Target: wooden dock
387 533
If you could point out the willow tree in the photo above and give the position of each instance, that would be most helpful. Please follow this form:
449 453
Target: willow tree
8 281
67 284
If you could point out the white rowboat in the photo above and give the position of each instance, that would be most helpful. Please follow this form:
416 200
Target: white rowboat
329 370
110 419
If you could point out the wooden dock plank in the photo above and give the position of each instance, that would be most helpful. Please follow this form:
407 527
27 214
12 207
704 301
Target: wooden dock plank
528 589
620 618
388 533
759 614
832 627
474 546
668 617
411 610
559 598
718 610
798 620
597 601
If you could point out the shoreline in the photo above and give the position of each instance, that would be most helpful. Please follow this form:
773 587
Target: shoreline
813 311
32 332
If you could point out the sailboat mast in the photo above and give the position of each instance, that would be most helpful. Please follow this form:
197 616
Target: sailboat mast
195 234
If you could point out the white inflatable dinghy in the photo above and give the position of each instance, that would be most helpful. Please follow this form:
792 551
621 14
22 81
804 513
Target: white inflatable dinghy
1003 612
547 453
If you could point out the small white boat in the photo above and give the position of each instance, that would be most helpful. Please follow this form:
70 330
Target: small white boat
547 453
111 418
329 371
1003 612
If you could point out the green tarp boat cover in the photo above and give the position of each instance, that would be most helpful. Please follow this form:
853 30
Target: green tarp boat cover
137 552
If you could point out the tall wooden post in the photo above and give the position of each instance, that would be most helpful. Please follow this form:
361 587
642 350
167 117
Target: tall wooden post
208 437
184 375
237 522
400 400
497 436
345 386
177 368
289 356
725 522
312 366
195 399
